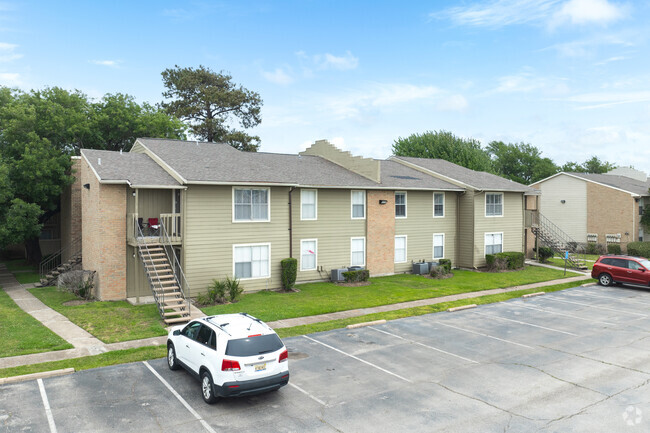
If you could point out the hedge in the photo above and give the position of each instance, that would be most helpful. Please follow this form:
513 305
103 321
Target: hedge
356 276
544 253
289 273
640 249
513 260
613 249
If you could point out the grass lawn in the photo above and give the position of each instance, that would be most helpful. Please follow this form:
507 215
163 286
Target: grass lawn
560 262
417 311
87 362
110 321
18 265
322 298
27 277
22 334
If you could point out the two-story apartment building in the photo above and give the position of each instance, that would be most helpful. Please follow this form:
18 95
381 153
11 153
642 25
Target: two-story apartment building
232 213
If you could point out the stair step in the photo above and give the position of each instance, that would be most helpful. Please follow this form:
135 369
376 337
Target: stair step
166 288
171 320
168 291
174 313
155 260
54 273
173 302
150 254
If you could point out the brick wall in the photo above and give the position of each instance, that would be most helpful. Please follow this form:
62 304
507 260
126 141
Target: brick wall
103 224
380 240
71 211
609 212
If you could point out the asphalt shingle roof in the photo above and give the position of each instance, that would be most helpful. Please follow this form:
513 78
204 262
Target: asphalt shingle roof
620 182
216 162
479 180
137 169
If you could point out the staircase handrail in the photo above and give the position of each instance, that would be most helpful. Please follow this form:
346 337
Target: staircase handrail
54 260
166 241
558 238
144 245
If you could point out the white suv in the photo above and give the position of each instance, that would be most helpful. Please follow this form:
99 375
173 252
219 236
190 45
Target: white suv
232 354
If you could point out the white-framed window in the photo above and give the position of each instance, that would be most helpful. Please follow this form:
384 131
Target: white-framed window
357 251
438 245
358 209
493 204
251 204
400 204
308 204
308 254
400 249
251 261
438 204
493 243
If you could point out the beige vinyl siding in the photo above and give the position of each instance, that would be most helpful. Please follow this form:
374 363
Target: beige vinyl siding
137 283
570 216
137 148
209 236
465 256
511 224
153 202
333 229
419 227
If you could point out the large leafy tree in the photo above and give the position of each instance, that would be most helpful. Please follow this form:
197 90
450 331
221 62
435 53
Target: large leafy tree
591 165
213 105
466 152
520 162
39 131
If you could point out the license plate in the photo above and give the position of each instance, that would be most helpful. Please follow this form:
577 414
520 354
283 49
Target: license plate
260 367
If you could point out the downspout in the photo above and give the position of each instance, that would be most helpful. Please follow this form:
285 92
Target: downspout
290 223
457 258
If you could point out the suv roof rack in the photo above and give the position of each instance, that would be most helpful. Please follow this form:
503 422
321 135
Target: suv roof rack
208 319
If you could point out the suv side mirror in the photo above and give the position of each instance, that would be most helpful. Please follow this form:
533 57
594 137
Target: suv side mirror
642 269
177 332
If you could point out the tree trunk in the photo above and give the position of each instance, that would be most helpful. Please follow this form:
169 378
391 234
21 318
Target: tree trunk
33 250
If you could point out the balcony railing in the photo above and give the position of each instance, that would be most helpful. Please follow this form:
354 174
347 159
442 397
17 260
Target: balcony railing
139 228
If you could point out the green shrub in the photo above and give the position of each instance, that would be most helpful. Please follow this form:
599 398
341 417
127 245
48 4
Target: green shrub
446 264
356 276
544 253
640 249
506 260
233 288
443 268
613 249
289 273
595 249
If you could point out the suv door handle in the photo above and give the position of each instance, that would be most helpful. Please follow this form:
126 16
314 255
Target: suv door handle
202 354
187 346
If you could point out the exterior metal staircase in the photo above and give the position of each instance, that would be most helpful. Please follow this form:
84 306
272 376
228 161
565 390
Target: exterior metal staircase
550 235
165 277
52 266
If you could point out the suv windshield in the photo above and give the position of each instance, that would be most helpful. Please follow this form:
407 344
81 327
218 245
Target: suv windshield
645 263
254 345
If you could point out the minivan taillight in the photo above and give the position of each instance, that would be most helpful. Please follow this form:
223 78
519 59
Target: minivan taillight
284 356
229 365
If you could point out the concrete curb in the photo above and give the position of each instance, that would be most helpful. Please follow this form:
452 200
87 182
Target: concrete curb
461 308
530 295
34 376
361 325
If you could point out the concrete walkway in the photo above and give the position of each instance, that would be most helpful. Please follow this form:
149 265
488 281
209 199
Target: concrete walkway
85 344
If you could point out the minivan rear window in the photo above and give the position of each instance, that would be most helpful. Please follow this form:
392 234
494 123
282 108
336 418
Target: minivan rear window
254 345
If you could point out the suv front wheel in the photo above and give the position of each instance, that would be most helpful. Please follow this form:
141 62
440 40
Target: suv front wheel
605 280
171 357
207 389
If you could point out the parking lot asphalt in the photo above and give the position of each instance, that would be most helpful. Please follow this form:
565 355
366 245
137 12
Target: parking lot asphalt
571 361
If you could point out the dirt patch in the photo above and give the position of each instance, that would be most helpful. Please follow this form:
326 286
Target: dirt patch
442 277
360 283
75 302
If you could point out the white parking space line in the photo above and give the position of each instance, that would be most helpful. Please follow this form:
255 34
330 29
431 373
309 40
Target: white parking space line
424 345
46 403
564 314
527 324
594 306
608 297
484 335
181 399
359 359
316 399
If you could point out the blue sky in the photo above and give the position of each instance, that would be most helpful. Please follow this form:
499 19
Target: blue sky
571 77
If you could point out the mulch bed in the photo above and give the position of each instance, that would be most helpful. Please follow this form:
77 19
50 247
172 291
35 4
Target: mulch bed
360 283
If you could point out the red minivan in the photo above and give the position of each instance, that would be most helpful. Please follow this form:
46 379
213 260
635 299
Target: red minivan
611 269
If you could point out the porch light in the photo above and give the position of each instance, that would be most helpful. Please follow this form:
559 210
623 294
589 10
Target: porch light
133 193
87 185
562 201
383 201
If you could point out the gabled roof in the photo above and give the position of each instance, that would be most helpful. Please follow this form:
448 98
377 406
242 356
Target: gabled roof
623 183
216 163
477 180
134 169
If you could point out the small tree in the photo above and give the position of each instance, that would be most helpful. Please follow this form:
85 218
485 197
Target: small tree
289 273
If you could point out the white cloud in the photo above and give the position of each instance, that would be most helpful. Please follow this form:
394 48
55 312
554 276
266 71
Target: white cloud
109 63
329 61
610 60
8 52
500 13
527 82
10 79
278 76
608 99
589 11
588 47
453 103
